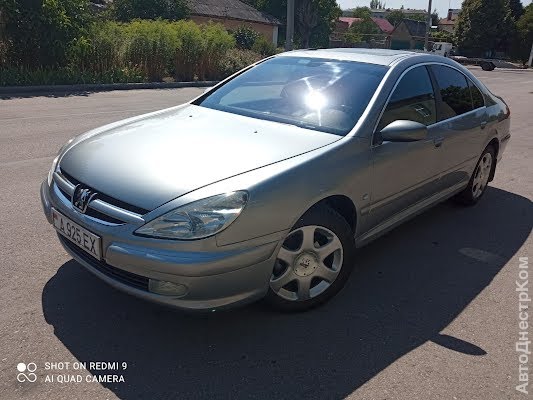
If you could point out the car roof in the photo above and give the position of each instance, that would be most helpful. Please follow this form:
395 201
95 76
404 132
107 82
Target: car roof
370 56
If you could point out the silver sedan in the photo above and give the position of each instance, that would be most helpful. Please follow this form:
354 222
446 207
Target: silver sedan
264 186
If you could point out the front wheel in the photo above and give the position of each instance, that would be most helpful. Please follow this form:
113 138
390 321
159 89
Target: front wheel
479 179
314 261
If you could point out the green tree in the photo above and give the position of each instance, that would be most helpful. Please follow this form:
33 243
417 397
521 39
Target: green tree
326 11
127 10
363 30
395 17
424 17
443 36
525 34
377 5
362 12
306 21
517 9
473 37
39 33
245 37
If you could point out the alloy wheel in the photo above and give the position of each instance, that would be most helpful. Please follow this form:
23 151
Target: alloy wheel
481 175
308 262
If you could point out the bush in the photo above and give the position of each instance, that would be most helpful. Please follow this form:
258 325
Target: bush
102 49
200 50
217 42
264 47
144 46
188 51
245 37
151 46
140 50
39 32
237 59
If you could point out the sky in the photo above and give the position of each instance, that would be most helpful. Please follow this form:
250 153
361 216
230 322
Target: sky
440 5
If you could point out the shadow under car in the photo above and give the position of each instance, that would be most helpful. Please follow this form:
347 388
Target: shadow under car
409 285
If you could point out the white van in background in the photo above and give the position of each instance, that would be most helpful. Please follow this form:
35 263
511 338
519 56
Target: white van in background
442 48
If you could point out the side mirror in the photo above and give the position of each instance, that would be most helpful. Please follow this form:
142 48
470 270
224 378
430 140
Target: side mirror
404 131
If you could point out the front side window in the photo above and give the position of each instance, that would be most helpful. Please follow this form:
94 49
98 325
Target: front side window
320 94
454 91
413 100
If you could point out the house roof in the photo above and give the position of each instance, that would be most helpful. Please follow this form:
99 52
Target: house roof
384 25
349 20
233 9
415 28
446 21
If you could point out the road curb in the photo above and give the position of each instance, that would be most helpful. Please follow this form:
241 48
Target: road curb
26 90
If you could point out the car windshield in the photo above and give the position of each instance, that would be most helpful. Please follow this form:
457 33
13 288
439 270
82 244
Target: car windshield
320 94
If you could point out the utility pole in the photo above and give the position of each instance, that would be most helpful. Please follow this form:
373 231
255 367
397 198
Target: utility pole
428 27
289 36
530 62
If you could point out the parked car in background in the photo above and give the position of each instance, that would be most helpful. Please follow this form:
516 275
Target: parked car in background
264 186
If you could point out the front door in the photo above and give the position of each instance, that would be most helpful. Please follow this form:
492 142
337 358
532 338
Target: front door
405 173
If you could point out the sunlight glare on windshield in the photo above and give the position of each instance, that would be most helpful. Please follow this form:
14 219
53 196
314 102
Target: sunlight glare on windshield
315 100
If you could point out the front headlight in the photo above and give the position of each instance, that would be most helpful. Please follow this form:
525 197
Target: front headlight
199 219
52 170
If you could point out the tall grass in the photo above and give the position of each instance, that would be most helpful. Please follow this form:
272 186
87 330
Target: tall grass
142 50
216 43
157 48
150 46
102 50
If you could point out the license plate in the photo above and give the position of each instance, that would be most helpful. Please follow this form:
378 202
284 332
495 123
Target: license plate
84 239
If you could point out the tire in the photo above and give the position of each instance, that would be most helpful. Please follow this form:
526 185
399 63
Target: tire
474 192
323 270
487 66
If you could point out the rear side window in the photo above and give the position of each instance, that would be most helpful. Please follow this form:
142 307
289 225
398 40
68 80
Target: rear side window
454 91
477 97
413 99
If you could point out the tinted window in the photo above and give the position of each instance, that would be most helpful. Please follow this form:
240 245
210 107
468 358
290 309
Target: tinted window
320 94
454 91
477 96
412 99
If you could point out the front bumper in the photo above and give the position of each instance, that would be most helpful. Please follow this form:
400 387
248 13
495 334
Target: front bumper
215 277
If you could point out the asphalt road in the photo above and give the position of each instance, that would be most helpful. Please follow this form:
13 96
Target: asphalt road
432 312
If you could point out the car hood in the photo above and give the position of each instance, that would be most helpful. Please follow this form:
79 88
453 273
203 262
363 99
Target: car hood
149 161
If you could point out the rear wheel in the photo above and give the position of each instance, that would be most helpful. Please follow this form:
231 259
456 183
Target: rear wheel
479 179
314 261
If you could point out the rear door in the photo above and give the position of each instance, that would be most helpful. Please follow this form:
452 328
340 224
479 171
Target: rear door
461 117
405 173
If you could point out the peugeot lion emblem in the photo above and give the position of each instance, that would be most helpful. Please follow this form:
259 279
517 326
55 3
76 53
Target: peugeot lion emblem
81 198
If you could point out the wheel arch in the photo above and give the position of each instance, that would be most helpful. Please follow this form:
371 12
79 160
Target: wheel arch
341 204
495 144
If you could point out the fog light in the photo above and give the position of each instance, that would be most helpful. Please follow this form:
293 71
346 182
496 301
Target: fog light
166 288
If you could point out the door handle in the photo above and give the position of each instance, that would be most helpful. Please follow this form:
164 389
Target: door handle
483 124
438 141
